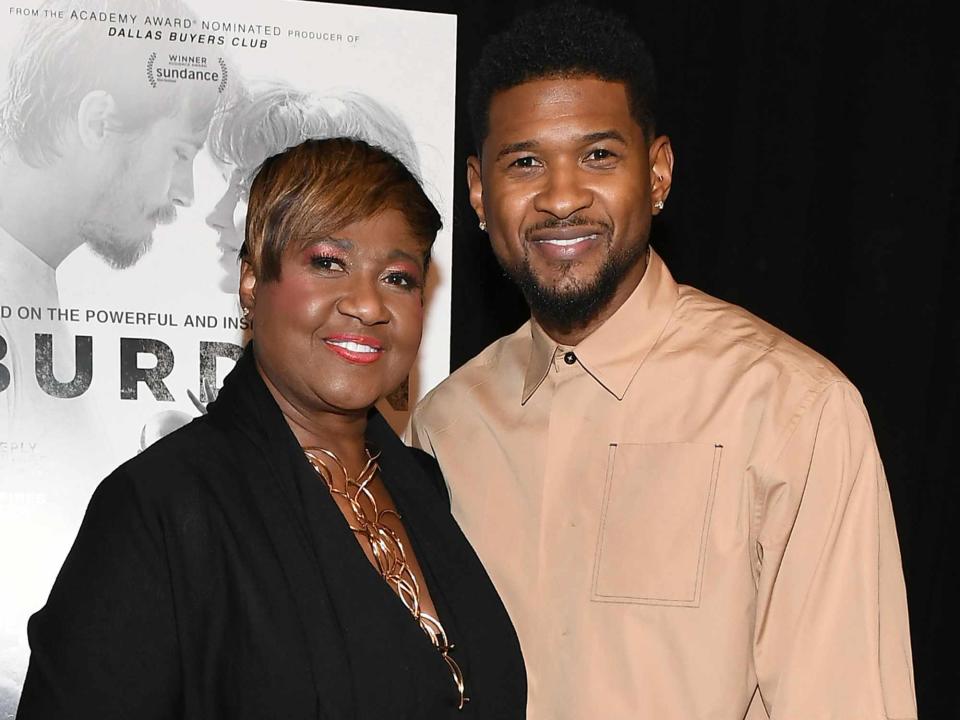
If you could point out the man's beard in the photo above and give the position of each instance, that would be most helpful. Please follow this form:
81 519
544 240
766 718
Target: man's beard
579 303
119 251
107 240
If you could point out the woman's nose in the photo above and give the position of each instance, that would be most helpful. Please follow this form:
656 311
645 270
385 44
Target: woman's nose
218 219
364 301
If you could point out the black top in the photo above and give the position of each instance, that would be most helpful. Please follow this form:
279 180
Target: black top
214 577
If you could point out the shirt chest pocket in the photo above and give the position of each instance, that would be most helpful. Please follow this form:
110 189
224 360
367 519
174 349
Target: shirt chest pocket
654 523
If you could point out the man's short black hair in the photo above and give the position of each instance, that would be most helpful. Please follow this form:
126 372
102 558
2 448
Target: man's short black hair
564 40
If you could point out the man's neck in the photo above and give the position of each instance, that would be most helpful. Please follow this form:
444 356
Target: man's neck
37 208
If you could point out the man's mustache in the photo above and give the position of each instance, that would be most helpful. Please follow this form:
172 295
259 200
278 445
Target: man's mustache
165 215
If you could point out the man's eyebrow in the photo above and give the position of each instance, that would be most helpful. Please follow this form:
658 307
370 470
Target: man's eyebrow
604 135
522 146
527 145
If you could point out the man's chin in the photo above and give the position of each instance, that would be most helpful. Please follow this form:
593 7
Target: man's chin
565 300
118 252
566 304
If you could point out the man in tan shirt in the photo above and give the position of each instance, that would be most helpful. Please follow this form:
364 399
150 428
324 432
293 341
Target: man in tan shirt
682 508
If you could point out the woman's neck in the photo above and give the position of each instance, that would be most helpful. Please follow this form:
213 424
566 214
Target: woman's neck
342 433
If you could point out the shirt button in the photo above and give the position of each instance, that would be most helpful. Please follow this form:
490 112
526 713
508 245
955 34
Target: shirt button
569 357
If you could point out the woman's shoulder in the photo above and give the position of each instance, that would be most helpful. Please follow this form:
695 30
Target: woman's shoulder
430 469
178 467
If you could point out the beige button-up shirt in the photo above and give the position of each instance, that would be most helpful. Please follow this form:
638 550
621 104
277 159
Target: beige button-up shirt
684 508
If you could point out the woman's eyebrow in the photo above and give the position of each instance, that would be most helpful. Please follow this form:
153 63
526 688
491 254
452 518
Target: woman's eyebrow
342 243
404 255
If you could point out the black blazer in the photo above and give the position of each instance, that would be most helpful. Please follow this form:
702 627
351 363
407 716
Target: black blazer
214 577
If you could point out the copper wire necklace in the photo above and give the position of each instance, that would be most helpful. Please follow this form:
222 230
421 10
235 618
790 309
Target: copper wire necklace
385 545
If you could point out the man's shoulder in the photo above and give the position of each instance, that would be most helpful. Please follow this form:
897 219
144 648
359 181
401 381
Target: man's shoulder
730 330
503 360
500 359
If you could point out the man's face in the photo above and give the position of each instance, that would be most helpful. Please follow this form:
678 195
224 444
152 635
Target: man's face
564 184
146 177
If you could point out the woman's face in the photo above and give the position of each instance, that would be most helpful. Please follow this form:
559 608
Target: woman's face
341 326
228 218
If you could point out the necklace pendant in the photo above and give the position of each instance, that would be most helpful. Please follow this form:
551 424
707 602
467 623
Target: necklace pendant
390 558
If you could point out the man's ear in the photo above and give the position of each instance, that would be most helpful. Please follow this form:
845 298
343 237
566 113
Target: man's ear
661 171
95 118
475 185
248 288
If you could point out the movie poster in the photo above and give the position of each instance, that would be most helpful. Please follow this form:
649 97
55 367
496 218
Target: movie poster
129 133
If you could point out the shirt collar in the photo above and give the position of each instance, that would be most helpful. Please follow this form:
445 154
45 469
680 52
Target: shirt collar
613 353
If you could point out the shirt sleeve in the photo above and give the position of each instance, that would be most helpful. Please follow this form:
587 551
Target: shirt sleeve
832 636
416 433
105 644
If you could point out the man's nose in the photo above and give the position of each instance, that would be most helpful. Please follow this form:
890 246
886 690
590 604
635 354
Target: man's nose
181 188
564 191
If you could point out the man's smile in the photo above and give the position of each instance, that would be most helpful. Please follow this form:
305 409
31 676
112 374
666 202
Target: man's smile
565 243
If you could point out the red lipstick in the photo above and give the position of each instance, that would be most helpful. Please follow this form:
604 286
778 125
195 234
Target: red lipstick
359 349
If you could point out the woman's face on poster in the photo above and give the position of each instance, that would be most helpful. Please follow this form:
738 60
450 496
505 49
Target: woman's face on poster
228 218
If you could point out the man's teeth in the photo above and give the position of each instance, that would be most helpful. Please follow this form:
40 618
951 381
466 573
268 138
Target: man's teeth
353 346
567 243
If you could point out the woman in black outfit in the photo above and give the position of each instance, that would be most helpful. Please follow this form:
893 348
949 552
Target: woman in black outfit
286 556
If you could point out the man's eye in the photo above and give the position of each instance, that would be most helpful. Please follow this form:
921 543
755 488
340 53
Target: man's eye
600 154
524 162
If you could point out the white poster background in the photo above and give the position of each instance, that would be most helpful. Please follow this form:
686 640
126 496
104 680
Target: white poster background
405 61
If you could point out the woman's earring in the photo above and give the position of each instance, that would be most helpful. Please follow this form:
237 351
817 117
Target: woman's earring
483 225
658 204
246 313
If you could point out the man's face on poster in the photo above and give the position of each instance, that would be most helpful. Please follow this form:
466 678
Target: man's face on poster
147 175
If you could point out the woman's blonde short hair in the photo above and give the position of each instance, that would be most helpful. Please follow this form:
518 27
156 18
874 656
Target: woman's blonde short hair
313 190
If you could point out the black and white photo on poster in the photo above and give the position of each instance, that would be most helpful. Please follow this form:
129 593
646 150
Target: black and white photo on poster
129 134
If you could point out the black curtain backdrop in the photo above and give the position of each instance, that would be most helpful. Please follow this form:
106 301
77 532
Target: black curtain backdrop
818 185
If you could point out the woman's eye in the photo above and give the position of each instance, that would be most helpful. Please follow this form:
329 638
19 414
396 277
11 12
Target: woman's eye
401 279
324 262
